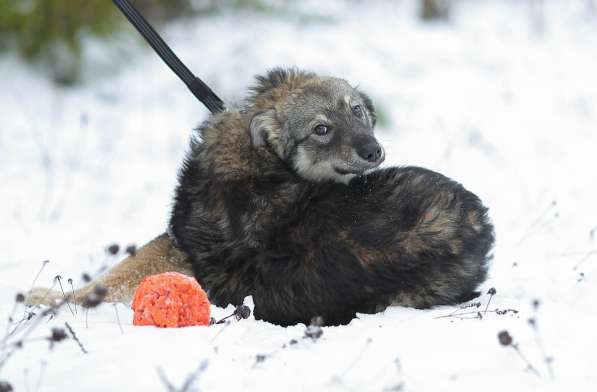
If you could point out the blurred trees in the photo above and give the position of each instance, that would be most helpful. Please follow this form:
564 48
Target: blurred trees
434 9
52 32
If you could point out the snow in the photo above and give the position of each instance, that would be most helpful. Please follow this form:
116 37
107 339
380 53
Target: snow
501 98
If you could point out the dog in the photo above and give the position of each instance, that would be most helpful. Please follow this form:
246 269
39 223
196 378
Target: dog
282 198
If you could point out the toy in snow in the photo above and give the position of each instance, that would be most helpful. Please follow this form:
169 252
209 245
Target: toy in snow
170 300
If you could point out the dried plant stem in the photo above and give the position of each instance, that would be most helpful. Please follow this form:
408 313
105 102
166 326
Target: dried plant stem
76 338
546 357
165 381
223 320
37 320
536 222
457 315
118 317
6 334
488 302
189 380
25 317
59 279
227 323
358 357
43 265
193 376
70 281
586 257
529 365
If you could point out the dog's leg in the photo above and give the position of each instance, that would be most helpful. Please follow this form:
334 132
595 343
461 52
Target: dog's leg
157 256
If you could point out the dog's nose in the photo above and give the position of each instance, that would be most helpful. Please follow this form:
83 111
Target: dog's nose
370 151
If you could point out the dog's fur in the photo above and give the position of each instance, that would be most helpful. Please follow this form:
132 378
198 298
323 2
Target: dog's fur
268 207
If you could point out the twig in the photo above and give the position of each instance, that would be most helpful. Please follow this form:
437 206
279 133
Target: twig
227 323
93 299
38 318
491 293
506 340
75 337
10 320
43 265
338 378
399 386
497 311
26 317
241 312
546 358
70 281
118 317
462 307
356 360
313 332
189 380
586 257
165 380
533 323
59 279
193 376
529 364
536 222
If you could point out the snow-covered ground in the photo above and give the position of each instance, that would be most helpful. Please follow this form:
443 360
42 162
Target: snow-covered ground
501 98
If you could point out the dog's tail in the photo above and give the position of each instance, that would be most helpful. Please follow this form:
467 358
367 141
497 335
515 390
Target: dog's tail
157 256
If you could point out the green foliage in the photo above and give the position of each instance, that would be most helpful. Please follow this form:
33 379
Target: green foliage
35 24
50 33
50 30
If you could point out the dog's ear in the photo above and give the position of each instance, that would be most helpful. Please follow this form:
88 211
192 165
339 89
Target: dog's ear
262 124
370 107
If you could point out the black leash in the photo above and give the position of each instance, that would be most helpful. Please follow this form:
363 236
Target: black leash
196 85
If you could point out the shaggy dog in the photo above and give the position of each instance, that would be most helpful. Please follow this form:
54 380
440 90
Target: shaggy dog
279 199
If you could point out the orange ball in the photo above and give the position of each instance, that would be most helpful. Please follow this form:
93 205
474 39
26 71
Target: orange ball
170 300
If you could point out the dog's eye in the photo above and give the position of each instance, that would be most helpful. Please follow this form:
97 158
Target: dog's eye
357 110
321 130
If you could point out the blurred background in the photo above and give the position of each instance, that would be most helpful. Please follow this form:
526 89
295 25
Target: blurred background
53 34
500 95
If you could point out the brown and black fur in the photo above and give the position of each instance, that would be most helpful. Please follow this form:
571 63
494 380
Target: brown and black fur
267 208
261 211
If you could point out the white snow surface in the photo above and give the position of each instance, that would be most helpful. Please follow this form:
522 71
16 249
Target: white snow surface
501 98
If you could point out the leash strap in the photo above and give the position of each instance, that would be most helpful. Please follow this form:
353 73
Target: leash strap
196 85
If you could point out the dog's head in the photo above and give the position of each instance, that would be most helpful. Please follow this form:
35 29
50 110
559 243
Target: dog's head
321 126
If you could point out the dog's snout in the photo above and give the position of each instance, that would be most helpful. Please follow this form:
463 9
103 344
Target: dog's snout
370 150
